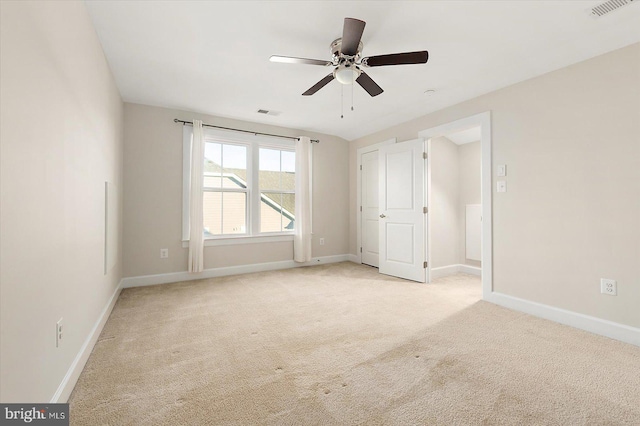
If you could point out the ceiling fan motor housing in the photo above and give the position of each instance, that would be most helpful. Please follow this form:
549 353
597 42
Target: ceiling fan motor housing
346 58
346 71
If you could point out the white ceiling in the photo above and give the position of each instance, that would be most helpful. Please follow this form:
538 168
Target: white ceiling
213 57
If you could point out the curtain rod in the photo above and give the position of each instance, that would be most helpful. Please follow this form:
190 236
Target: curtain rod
175 120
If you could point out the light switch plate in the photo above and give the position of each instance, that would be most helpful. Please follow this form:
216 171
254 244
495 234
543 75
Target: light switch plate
502 170
502 186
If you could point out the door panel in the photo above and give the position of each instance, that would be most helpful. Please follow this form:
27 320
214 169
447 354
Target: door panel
370 208
402 220
401 180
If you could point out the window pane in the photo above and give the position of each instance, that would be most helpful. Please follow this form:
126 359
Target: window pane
288 208
211 168
233 180
234 163
270 212
225 166
212 214
224 213
212 153
288 176
211 180
269 173
277 212
288 161
234 213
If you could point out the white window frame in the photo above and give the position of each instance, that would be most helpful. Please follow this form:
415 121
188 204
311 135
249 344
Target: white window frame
253 144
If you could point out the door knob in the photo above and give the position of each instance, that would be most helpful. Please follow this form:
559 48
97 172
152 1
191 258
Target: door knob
382 216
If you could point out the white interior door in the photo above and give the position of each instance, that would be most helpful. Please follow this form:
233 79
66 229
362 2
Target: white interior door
370 208
402 217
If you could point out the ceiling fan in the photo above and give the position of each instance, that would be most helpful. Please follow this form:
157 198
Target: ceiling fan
347 62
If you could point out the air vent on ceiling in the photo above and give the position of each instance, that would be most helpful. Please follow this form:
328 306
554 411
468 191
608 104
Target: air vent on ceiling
267 112
607 7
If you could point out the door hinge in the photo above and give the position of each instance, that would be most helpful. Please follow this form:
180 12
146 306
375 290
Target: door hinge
360 208
360 249
360 166
424 155
425 210
424 265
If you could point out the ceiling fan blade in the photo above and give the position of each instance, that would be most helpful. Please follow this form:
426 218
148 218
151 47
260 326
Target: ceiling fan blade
292 60
319 85
368 84
351 35
397 59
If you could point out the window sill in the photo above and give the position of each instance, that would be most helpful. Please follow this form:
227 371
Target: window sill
209 242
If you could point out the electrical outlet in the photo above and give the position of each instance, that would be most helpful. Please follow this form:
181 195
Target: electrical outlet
164 253
321 241
608 286
58 332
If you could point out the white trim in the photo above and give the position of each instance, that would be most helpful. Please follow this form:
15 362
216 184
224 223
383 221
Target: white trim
245 239
353 258
73 373
360 152
444 271
427 224
471 270
225 271
484 121
588 323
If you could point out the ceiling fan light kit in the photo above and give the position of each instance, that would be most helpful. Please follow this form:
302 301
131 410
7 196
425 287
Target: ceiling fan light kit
347 62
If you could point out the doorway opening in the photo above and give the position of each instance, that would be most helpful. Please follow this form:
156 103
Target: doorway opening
459 189
454 197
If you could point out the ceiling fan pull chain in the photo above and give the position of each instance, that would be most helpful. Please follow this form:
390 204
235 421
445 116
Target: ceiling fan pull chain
352 83
341 101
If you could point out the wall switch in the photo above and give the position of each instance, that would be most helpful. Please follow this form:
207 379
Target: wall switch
164 253
609 287
58 332
502 186
321 241
502 170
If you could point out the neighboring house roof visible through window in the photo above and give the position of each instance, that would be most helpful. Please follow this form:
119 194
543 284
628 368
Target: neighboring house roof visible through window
269 179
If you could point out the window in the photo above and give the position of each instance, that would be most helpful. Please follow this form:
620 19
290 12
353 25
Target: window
277 181
225 189
248 185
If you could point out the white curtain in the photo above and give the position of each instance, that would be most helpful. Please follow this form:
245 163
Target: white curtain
302 234
196 231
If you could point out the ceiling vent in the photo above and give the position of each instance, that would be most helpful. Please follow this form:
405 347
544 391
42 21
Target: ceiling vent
267 112
608 7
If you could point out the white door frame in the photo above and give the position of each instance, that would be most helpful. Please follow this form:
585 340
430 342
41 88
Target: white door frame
484 121
361 151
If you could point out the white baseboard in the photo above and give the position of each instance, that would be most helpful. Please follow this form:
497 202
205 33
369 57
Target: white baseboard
472 270
353 258
174 277
444 271
73 373
595 325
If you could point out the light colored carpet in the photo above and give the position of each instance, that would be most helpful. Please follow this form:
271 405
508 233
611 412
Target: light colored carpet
343 345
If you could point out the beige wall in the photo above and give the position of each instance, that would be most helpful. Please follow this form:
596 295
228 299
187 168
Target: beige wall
469 168
571 215
444 203
153 195
61 139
